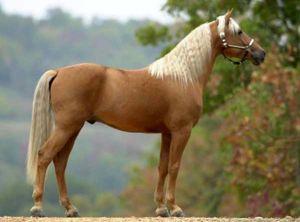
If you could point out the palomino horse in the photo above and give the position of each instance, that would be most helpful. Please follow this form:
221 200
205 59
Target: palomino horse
165 97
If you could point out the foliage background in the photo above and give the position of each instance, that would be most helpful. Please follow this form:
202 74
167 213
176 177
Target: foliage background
243 158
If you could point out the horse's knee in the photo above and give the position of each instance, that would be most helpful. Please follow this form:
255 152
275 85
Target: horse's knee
173 169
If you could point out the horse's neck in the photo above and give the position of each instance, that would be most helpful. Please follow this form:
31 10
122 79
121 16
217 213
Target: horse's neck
202 79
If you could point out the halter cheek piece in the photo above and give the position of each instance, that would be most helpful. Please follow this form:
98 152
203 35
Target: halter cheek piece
226 46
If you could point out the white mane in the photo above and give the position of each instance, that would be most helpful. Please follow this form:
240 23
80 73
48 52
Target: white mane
188 59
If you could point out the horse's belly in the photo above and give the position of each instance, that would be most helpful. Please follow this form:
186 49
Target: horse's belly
137 124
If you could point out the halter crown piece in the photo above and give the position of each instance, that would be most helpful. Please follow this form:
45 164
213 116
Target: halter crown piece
244 47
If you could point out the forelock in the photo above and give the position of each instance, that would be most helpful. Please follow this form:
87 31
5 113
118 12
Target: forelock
221 23
233 25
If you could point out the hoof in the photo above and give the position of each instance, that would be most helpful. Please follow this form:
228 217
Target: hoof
162 212
72 213
177 213
36 212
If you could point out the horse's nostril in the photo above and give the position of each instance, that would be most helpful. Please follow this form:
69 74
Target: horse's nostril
261 56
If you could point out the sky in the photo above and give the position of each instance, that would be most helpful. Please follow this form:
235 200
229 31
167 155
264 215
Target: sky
87 9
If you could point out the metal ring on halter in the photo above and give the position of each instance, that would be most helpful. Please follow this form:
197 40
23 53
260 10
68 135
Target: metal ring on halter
226 45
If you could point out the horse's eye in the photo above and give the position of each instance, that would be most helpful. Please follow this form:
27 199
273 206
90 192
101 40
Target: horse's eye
240 32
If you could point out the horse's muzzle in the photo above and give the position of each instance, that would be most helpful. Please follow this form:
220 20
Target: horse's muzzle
258 57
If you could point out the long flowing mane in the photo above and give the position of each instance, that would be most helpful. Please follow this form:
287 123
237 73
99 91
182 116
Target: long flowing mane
188 59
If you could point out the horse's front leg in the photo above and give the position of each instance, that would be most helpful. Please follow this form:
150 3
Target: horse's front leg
159 197
178 143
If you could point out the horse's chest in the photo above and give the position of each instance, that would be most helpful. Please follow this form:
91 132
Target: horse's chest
195 111
195 103
185 113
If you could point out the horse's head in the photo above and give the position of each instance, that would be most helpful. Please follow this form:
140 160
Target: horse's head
236 43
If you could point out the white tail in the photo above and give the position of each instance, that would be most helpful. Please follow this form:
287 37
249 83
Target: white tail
42 122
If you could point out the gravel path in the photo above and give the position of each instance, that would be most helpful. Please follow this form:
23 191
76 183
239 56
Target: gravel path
144 219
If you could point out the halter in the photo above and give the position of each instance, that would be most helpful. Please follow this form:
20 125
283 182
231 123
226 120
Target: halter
226 46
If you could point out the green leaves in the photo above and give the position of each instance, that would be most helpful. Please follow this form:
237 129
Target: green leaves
152 34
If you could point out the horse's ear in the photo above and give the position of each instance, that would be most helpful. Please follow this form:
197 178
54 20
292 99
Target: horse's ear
228 16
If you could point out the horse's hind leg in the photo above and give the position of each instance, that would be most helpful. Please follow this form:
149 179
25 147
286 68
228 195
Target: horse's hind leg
159 196
53 145
60 163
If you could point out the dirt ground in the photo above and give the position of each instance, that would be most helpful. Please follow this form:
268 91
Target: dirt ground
144 219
